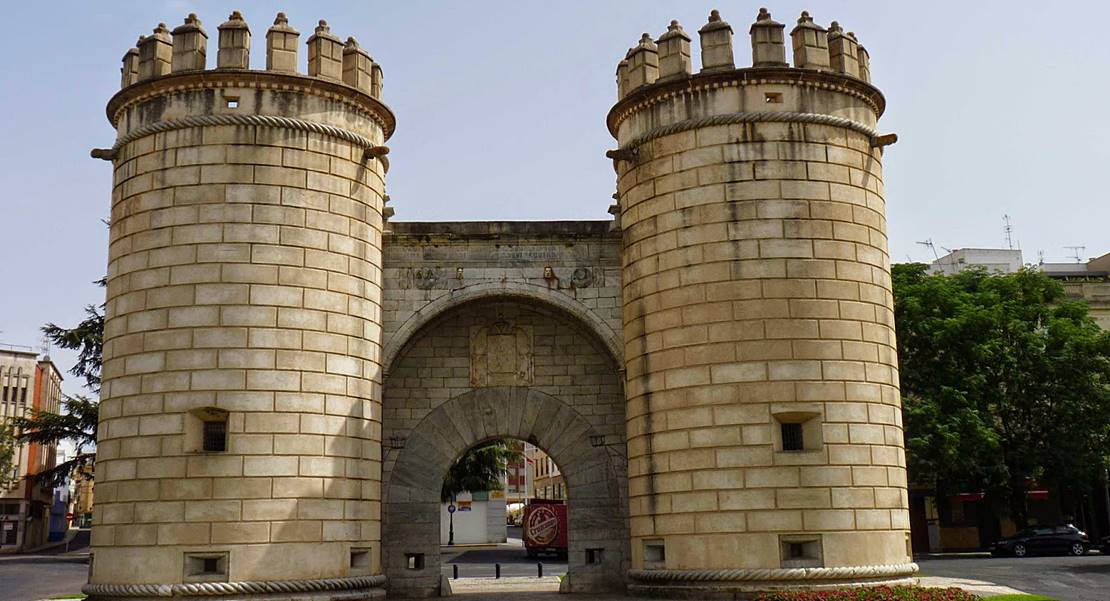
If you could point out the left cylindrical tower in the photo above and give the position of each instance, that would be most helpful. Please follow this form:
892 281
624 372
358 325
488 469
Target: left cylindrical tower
240 420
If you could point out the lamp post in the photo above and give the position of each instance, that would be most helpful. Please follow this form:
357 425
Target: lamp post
451 521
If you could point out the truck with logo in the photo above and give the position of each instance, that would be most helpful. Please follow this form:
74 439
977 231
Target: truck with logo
545 527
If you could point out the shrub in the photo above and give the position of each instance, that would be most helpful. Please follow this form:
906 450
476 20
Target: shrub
876 593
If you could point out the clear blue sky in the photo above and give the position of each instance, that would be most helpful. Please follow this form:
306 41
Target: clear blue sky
1000 107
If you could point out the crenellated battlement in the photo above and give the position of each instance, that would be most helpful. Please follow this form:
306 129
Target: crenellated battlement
814 49
167 83
826 77
185 49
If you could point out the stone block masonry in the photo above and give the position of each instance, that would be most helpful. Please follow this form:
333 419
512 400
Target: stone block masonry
288 375
241 409
764 426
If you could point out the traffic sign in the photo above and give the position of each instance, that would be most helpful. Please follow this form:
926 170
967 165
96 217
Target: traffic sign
451 508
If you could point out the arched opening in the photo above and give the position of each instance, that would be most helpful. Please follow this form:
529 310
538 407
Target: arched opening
504 368
504 513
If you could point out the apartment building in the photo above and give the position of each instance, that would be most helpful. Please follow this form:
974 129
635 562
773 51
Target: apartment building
28 384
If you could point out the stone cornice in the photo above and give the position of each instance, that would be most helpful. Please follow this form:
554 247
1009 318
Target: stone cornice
651 95
265 80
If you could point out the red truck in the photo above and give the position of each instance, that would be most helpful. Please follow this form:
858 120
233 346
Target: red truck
545 527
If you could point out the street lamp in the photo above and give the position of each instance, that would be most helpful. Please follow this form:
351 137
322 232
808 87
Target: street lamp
451 521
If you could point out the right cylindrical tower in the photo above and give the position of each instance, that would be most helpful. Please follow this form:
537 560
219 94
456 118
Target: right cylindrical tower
764 424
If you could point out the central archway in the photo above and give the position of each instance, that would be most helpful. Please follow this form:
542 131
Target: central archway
411 497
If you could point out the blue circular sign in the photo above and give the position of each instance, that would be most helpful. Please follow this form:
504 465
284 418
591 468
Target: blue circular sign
451 508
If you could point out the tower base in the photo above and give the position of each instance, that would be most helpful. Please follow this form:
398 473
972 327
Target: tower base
359 588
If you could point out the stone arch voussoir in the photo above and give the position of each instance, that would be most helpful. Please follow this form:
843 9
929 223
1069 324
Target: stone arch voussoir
411 497
509 291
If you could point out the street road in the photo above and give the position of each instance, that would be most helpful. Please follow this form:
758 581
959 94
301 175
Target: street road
479 563
1084 578
39 577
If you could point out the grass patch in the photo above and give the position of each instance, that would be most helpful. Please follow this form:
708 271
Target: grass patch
75 596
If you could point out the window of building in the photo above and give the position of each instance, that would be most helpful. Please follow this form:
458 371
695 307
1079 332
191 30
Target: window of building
206 430
360 560
215 436
800 551
655 554
797 431
792 438
206 567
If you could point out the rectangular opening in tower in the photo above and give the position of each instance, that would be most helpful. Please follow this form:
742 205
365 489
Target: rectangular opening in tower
792 437
215 436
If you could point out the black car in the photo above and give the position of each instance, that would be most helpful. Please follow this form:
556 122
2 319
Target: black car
1042 540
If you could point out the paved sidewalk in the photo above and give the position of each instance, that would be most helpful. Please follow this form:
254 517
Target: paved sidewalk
547 589
978 587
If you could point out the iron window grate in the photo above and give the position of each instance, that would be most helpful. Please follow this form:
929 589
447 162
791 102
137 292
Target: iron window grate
792 439
215 436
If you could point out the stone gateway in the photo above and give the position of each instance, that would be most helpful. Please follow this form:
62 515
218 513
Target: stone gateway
288 375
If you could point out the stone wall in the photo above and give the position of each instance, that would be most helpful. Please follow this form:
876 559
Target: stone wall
757 301
470 312
244 286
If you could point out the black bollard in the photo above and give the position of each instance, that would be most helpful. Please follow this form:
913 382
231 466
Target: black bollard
497 570
539 570
455 570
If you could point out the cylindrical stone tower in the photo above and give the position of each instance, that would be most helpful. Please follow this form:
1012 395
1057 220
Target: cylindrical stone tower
239 441
764 423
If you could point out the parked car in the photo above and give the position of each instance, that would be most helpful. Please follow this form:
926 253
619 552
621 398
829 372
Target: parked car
1043 540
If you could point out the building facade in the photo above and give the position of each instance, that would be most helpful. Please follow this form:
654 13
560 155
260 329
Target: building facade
1088 280
28 384
288 375
547 480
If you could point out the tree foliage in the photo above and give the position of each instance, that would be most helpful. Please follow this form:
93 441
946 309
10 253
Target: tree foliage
80 414
76 423
480 468
87 338
7 452
1005 383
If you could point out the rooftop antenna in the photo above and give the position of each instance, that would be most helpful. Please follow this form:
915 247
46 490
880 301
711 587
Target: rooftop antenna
1008 231
1076 252
929 243
44 346
1040 257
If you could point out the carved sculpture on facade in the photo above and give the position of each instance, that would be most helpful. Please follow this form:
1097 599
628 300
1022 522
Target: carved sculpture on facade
501 355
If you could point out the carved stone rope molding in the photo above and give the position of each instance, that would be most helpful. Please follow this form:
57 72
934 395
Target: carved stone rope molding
775 574
219 589
630 149
372 149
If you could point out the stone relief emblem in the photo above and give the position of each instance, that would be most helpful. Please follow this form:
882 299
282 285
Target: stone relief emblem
425 278
501 355
583 277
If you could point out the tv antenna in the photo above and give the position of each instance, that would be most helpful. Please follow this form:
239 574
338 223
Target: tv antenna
1008 231
1076 252
929 244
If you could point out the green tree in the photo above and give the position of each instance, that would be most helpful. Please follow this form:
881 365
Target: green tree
1005 382
87 338
7 452
77 423
79 419
480 468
